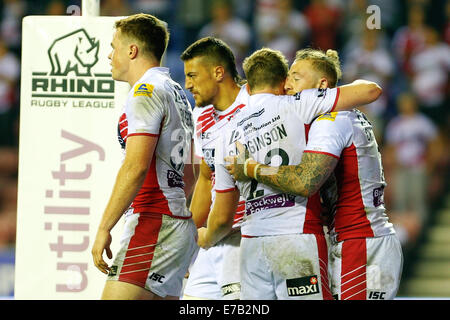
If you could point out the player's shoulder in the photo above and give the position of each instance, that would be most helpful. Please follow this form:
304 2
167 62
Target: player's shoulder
312 94
340 119
270 100
155 82
283 103
243 95
144 89
333 116
303 96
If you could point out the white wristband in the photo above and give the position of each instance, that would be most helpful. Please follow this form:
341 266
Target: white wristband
245 166
255 171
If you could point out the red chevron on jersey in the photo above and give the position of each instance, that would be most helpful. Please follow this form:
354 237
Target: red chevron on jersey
123 126
231 113
122 130
240 211
208 118
205 120
210 125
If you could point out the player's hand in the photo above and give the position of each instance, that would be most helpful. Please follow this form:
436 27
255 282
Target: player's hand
102 243
202 241
236 164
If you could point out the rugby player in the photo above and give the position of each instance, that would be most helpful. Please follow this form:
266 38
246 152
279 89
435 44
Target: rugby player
159 234
283 247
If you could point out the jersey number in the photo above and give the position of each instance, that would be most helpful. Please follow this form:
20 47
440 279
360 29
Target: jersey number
254 192
177 156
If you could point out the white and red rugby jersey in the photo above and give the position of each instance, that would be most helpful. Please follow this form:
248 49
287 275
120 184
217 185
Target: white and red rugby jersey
210 124
360 210
157 106
274 129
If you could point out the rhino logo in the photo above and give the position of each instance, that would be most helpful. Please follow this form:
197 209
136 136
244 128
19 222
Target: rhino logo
75 52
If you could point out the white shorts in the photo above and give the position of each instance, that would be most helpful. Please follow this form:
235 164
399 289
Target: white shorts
155 252
215 272
284 267
366 269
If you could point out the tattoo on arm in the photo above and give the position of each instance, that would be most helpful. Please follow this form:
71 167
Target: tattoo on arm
329 191
329 197
303 179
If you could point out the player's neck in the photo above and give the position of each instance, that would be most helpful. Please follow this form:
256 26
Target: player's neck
271 90
228 91
138 69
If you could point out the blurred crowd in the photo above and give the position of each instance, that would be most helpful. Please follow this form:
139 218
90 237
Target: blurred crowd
408 55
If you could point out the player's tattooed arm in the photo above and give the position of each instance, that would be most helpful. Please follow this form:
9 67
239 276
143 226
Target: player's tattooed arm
329 198
303 179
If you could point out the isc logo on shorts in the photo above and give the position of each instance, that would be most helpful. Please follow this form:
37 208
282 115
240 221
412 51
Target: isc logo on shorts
231 288
157 277
302 286
112 271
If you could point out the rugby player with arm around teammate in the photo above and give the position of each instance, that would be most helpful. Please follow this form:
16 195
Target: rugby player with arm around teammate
364 247
359 92
277 226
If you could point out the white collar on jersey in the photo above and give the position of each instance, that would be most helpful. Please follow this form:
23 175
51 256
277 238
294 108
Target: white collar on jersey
155 69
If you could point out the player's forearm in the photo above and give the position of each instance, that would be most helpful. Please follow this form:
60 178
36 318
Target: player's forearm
371 89
128 182
201 198
359 92
221 217
216 230
201 202
303 179
287 179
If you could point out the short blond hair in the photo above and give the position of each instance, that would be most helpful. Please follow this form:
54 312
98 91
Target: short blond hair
326 63
265 67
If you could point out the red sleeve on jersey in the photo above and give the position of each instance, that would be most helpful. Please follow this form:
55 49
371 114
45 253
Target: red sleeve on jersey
143 134
226 190
336 100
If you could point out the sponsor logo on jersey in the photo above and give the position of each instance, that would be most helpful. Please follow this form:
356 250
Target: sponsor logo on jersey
273 201
231 288
235 135
253 115
331 116
267 138
143 89
378 198
302 286
208 156
205 135
174 179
